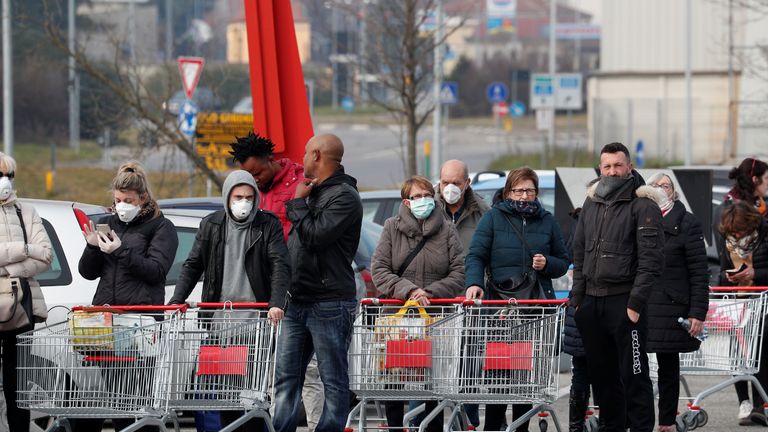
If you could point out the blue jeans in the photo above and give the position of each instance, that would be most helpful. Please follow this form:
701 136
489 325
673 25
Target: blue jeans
324 328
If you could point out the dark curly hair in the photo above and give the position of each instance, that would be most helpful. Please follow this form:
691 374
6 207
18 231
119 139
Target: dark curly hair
253 145
742 175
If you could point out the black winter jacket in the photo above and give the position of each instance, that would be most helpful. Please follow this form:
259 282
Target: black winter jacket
323 240
617 247
266 260
683 290
759 258
135 273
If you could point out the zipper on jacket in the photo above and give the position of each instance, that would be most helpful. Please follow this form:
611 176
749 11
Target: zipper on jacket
599 245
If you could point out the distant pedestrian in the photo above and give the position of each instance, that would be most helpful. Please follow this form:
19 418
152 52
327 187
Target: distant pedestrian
683 292
743 241
618 262
326 214
516 236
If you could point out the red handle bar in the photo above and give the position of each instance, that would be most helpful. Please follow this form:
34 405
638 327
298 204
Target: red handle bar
515 302
132 308
736 289
230 305
398 302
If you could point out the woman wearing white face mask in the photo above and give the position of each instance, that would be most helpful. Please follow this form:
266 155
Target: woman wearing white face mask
419 256
132 261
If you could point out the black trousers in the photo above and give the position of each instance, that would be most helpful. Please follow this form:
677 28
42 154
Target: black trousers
18 419
395 410
618 363
496 416
669 386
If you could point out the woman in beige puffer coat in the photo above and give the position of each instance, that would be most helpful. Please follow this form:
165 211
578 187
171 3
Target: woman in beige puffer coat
437 271
19 259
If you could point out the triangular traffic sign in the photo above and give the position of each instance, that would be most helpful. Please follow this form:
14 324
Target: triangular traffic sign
190 69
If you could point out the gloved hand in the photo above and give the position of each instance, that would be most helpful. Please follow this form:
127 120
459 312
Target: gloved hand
40 253
90 234
108 245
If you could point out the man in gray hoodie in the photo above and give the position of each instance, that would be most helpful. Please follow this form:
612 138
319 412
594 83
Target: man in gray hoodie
241 252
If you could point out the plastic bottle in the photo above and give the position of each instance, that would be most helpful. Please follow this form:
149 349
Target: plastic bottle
686 324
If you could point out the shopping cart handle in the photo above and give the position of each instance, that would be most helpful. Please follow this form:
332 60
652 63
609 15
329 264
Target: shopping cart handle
735 289
478 302
132 308
230 305
398 302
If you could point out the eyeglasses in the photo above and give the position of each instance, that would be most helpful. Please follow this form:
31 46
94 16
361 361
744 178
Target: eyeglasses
666 186
420 196
521 192
10 175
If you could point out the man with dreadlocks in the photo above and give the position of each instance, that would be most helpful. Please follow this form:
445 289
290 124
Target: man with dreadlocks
276 178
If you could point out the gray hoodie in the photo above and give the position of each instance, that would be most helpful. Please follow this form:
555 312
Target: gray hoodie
235 285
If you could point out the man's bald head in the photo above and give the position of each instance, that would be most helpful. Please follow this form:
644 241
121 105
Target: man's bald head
322 156
454 168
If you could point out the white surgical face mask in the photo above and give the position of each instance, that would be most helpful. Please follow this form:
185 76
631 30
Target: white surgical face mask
126 212
241 208
451 193
6 188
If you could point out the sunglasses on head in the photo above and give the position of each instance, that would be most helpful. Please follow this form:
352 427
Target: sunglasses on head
10 175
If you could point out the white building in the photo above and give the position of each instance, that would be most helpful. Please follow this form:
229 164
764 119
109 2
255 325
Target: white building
639 92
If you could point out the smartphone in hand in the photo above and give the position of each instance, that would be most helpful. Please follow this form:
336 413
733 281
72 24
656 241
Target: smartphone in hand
104 229
737 271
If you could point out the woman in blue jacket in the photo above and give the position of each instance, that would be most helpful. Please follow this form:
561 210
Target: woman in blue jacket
516 236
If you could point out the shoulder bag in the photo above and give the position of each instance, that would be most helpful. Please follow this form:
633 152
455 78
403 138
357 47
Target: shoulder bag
522 286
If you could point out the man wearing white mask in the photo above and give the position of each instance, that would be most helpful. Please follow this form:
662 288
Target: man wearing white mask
459 203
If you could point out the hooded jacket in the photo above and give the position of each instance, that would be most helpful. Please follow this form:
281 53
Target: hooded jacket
283 188
497 247
14 260
684 289
323 240
438 268
135 273
618 245
266 256
759 257
474 209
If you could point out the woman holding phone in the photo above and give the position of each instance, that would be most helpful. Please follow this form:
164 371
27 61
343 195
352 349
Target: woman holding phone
130 253
743 249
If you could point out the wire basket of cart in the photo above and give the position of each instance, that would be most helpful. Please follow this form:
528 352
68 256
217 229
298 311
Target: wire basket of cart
100 363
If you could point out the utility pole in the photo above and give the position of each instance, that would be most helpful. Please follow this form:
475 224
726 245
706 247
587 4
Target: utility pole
731 146
73 84
438 83
7 80
334 64
688 87
168 30
132 31
552 67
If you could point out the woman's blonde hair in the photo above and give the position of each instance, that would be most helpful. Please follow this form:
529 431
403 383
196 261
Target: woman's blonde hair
132 177
7 163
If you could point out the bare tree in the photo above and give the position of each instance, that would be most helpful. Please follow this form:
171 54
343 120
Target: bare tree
399 51
129 84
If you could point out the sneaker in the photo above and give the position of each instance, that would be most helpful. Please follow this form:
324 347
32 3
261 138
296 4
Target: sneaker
745 409
758 417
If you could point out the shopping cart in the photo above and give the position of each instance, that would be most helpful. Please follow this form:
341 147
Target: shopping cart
391 354
100 363
509 355
222 358
734 322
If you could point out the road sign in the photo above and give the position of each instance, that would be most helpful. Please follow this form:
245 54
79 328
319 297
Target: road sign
449 92
517 109
544 118
188 118
500 109
215 133
542 91
190 69
568 95
348 104
497 92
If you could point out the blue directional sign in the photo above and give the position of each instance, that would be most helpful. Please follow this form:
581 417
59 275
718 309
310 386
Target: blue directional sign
188 118
348 104
497 92
449 92
517 109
